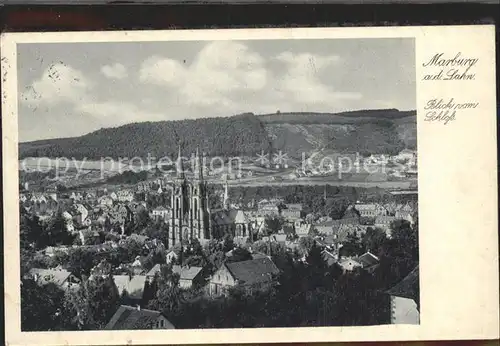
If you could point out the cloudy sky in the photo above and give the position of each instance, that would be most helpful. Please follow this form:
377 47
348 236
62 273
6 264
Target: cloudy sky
69 89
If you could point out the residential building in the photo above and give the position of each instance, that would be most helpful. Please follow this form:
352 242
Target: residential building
348 264
125 196
80 213
405 300
404 215
384 222
189 276
292 212
60 277
105 200
303 230
161 213
329 257
253 274
370 209
171 256
130 318
132 284
368 261
152 273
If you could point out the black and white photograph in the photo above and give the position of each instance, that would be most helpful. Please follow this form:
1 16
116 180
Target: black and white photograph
218 184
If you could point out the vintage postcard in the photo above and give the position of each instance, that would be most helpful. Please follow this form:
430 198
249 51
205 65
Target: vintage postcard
237 186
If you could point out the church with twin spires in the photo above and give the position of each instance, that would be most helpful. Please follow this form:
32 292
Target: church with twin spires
191 215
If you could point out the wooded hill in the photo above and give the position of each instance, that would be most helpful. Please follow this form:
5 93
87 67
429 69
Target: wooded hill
365 131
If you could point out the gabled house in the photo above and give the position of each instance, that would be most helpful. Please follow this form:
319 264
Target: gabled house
329 257
255 274
348 264
404 215
405 300
105 200
138 265
189 276
292 212
370 209
161 213
133 285
171 256
384 222
152 273
368 261
125 196
60 277
133 318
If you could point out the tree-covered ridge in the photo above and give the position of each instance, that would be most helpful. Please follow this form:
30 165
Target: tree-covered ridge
352 117
241 134
368 131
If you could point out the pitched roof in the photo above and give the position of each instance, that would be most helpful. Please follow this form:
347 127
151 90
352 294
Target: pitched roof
186 273
368 206
45 276
128 317
294 207
368 259
382 219
154 270
252 271
279 237
329 257
239 216
351 213
134 286
227 217
160 208
409 287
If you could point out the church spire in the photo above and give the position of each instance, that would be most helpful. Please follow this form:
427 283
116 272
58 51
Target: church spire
226 197
180 167
199 164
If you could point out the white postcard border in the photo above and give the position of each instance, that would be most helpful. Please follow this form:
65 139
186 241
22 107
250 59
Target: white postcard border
457 208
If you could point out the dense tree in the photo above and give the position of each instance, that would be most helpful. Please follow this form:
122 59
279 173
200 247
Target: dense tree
168 295
95 302
233 136
373 240
81 260
305 245
41 308
31 231
272 224
214 254
352 246
240 254
141 220
56 232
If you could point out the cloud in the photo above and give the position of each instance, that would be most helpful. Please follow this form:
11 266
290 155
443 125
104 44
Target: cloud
230 76
114 113
220 69
224 78
301 80
58 83
62 85
115 71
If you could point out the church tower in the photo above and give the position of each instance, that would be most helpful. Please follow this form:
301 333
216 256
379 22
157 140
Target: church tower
198 201
225 203
179 204
190 213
